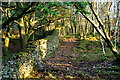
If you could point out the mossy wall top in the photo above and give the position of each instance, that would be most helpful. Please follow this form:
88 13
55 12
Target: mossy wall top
20 65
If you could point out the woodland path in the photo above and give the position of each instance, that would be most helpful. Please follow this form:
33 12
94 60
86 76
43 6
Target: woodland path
61 64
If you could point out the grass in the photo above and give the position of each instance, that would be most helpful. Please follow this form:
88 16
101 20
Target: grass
114 67
65 55
81 73
106 72
91 50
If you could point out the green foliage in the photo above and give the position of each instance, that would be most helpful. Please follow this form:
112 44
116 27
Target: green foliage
73 21
57 4
46 8
67 3
81 7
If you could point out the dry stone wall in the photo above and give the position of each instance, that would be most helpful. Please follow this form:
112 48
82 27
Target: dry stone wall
20 65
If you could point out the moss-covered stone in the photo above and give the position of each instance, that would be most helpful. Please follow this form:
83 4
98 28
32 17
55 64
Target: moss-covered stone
20 65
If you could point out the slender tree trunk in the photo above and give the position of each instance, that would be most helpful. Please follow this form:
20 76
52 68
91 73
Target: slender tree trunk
7 40
103 34
20 36
115 34
118 32
93 29
23 36
107 38
86 29
103 48
6 44
71 27
114 50
116 28
109 26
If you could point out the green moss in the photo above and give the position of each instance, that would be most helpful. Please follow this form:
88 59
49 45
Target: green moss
65 55
109 72
74 49
91 50
81 73
114 67
81 47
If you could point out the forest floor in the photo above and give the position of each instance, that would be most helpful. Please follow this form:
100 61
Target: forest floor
77 59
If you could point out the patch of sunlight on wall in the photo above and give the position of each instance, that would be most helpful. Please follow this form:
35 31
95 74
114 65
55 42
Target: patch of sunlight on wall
25 70
43 47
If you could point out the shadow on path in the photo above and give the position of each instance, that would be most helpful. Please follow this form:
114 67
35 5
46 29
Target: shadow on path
64 66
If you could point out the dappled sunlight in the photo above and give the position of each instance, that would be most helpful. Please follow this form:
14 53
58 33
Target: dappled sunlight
25 70
15 36
65 46
59 64
90 39
55 40
0 33
43 47
71 39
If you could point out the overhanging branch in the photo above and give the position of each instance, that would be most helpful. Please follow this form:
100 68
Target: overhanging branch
18 17
94 25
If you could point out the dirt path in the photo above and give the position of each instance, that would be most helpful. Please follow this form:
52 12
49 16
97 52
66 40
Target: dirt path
62 64
65 50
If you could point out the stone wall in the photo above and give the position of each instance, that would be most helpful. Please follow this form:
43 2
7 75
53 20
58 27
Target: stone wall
20 65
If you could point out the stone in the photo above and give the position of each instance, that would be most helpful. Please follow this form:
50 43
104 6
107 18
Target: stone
22 63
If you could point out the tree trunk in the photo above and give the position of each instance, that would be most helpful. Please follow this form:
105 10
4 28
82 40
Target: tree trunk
23 36
23 40
103 48
104 35
109 26
6 44
20 36
71 27
114 50
7 39
116 35
20 15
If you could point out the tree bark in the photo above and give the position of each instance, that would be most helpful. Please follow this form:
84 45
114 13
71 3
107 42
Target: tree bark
18 17
102 33
106 38
20 36
7 40
23 36
103 48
